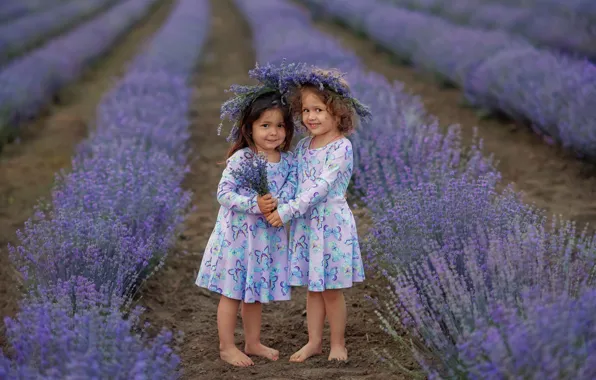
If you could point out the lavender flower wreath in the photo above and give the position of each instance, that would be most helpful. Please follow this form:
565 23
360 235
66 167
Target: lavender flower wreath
283 79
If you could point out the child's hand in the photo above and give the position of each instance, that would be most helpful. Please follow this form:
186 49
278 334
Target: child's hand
274 219
266 204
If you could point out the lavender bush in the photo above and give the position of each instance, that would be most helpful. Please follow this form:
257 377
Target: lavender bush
446 215
113 211
562 329
27 83
130 97
452 246
13 9
581 9
543 90
443 298
22 34
110 223
52 340
569 32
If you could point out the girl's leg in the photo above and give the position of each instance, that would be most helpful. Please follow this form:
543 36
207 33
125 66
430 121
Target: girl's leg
315 319
335 306
251 319
226 324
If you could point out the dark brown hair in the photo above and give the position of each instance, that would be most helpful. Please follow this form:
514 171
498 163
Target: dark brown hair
265 102
336 105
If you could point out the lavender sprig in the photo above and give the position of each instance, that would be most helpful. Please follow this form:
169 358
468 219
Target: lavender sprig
252 173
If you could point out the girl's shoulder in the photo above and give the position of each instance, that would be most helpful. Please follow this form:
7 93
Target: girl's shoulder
340 149
287 160
302 144
287 156
240 155
345 142
342 144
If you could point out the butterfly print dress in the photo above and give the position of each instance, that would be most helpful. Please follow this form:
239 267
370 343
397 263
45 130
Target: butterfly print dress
324 248
246 258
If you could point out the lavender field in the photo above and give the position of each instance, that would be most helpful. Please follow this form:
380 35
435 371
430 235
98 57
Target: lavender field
496 69
476 235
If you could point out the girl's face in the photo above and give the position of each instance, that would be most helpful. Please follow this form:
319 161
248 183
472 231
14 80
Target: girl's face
316 117
268 131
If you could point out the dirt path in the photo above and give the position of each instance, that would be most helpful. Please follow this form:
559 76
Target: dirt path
46 145
549 177
172 299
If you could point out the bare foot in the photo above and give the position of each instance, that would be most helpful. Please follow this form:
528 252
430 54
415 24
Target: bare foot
235 357
339 353
262 351
310 349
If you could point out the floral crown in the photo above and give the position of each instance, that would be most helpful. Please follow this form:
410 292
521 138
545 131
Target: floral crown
283 79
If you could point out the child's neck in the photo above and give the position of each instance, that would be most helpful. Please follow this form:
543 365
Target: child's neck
272 155
325 139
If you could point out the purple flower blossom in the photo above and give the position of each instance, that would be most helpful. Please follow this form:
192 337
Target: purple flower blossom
448 214
251 174
52 340
13 9
26 32
453 291
551 338
27 83
543 23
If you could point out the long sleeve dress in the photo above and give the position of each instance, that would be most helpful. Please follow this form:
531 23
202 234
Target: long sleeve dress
323 246
246 258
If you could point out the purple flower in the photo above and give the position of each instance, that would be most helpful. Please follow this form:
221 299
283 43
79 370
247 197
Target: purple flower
550 338
252 173
25 32
49 339
26 84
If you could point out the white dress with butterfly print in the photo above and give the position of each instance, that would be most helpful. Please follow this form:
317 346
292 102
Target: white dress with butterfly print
324 248
246 258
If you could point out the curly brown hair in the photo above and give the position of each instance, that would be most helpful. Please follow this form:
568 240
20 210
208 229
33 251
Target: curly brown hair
336 105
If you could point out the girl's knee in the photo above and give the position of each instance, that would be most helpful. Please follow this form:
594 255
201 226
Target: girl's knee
228 301
331 295
228 305
251 306
312 294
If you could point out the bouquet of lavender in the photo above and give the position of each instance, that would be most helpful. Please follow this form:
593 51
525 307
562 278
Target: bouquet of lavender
252 173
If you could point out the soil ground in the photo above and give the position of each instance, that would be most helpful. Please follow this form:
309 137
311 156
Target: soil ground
46 145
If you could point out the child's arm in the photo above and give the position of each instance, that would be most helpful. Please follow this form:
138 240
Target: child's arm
227 190
335 163
288 189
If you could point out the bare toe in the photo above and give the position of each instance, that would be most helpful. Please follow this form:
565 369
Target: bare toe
310 349
339 353
235 357
262 351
